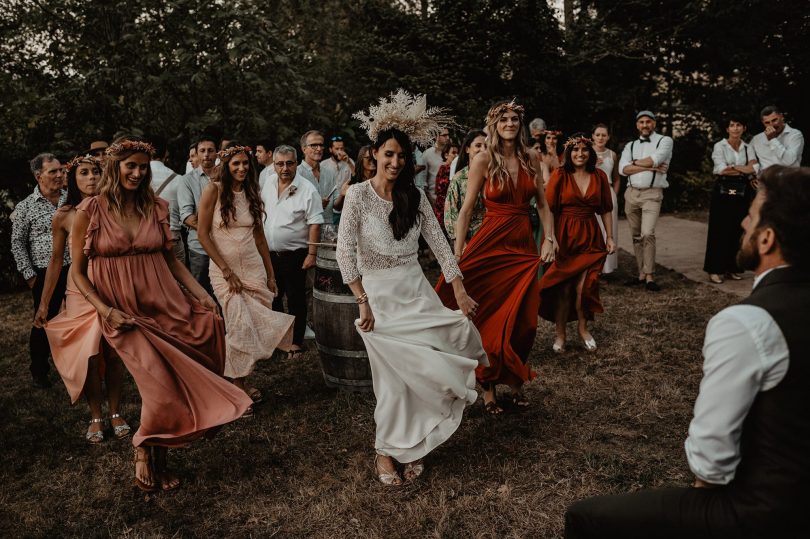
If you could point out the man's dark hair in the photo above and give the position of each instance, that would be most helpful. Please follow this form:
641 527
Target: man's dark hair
160 144
568 164
786 209
734 117
265 143
205 137
770 109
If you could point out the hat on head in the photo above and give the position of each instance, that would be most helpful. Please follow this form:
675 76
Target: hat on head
97 145
647 113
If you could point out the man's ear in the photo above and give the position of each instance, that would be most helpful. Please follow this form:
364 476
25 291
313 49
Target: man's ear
766 241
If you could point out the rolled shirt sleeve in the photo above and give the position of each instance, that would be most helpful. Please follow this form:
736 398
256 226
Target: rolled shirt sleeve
315 209
626 159
185 198
663 153
718 159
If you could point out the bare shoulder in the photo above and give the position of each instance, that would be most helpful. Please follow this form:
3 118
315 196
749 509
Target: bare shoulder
63 217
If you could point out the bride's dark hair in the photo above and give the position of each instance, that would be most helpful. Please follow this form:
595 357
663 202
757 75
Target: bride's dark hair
405 195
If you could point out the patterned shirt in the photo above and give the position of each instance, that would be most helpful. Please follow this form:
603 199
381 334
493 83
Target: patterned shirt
31 233
455 199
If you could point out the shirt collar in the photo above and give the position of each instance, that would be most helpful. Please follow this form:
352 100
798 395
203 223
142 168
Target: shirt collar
39 196
762 275
652 135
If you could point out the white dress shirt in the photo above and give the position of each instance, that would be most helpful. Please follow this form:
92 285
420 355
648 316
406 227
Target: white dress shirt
264 175
160 173
744 353
433 160
420 180
785 149
659 148
289 215
723 155
333 174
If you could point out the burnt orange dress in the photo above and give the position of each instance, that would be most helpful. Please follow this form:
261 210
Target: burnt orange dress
176 352
582 247
500 266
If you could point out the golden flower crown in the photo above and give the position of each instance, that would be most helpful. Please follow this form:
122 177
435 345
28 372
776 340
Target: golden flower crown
79 159
130 145
233 150
553 132
407 113
573 141
494 114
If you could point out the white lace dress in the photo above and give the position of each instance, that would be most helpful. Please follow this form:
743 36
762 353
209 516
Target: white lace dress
608 160
423 356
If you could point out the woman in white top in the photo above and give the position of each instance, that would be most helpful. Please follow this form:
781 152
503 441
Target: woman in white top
423 356
735 165
607 161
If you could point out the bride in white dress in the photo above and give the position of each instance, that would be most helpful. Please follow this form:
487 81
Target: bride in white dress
423 356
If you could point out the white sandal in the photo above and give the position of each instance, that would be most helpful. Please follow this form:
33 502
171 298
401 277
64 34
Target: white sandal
98 436
385 477
413 470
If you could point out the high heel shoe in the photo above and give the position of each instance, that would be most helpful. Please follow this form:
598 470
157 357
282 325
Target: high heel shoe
559 345
590 343
98 436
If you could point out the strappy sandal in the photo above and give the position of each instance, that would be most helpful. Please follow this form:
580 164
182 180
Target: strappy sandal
492 408
168 481
95 437
255 395
120 431
295 354
413 470
519 400
144 457
389 479
248 414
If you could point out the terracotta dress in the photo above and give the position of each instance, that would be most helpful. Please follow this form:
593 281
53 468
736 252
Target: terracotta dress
176 352
254 329
582 246
500 265
75 336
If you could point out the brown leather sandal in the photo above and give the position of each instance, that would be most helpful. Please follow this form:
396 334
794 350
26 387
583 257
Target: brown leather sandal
147 458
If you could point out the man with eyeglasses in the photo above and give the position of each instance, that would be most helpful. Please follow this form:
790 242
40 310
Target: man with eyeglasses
292 225
433 160
335 171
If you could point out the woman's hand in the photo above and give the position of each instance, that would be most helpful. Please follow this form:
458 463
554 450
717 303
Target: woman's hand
272 286
366 318
41 317
547 250
466 304
208 303
118 320
345 188
611 246
234 283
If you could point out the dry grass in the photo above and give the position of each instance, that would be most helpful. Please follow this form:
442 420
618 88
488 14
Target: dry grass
611 421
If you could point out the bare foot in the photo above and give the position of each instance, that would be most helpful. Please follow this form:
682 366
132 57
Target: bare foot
168 479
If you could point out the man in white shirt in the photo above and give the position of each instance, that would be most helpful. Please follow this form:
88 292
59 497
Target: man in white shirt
749 439
779 144
164 183
189 193
335 171
293 223
433 161
645 162
264 157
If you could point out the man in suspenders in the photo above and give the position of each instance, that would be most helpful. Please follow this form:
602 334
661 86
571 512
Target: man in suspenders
645 162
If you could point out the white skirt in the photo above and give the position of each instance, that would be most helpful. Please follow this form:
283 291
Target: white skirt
612 261
423 358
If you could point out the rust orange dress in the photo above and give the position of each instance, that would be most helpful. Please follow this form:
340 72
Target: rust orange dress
500 266
582 247
176 352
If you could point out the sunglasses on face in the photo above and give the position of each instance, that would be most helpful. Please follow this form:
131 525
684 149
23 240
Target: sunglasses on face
336 138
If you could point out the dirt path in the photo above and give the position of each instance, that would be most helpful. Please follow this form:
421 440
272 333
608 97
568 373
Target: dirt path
681 245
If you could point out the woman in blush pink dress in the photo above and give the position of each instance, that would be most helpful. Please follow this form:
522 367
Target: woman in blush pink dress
75 333
170 338
231 231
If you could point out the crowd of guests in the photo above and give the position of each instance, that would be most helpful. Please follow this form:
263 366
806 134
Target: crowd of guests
134 266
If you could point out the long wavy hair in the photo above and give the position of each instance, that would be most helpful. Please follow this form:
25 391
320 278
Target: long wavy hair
497 171
251 187
469 138
74 194
358 176
405 195
110 188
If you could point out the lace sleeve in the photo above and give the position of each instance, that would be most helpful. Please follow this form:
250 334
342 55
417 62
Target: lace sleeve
348 232
434 237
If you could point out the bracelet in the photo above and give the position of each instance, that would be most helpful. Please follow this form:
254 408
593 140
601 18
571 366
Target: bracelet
89 292
550 239
107 317
362 298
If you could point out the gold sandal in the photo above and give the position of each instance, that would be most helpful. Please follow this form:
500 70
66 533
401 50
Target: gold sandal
390 479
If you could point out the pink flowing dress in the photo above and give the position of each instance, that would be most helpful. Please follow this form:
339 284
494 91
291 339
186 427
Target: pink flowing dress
255 330
176 351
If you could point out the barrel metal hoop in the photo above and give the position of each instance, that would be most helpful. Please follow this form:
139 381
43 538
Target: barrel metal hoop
332 298
326 263
342 353
346 382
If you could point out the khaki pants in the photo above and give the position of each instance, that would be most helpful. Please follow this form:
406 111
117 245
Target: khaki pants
642 207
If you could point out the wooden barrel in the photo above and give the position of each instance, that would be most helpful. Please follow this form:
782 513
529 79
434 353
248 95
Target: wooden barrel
344 360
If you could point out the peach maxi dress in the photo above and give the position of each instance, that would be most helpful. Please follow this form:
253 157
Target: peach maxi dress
254 329
176 352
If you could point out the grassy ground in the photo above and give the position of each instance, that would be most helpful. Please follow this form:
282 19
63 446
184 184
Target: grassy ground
611 421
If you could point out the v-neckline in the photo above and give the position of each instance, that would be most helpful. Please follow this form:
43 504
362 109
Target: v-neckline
132 238
582 193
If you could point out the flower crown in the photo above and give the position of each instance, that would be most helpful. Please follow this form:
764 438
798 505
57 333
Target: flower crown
553 132
79 159
233 150
407 113
573 141
495 114
130 145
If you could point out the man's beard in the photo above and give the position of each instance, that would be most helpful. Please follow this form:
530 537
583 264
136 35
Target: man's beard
748 255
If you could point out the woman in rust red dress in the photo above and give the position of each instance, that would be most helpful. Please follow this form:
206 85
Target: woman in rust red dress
500 262
576 193
171 340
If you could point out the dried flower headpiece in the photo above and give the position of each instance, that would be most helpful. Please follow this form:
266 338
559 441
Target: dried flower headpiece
130 145
408 113
495 114
573 141
79 159
233 150
553 132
